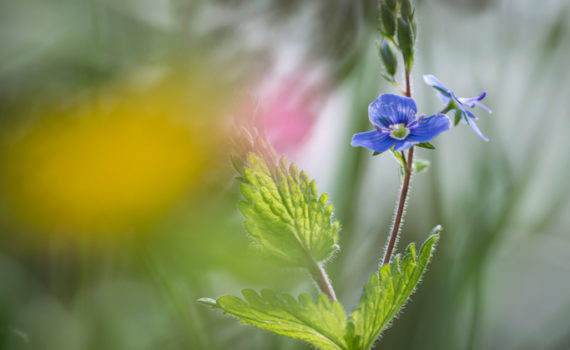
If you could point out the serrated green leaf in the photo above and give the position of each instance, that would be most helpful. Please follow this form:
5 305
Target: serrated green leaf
322 324
387 291
284 215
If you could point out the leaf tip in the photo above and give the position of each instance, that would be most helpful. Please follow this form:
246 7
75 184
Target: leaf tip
208 302
436 230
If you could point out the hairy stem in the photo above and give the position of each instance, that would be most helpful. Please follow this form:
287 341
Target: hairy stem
403 192
400 209
320 276
408 86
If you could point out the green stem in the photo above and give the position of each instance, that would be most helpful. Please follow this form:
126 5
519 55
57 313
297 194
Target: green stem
445 110
400 209
408 85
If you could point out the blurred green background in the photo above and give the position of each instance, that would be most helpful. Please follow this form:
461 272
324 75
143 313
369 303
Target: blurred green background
118 207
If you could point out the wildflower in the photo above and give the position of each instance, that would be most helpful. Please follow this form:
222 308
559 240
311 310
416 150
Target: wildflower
459 104
397 127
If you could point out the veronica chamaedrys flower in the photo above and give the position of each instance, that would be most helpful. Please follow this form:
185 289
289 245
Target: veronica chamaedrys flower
459 104
394 118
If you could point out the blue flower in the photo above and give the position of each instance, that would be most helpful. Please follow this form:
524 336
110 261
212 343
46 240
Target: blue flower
459 104
394 118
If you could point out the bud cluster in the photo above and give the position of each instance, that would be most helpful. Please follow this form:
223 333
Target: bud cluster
398 27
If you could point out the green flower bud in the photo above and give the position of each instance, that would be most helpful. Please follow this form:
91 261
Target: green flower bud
391 4
406 42
412 22
406 9
387 21
388 57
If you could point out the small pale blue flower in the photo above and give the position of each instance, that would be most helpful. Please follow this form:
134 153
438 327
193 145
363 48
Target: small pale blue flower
459 104
394 118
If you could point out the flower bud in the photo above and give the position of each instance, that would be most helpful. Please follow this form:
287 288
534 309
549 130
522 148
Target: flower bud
412 22
388 57
406 9
406 41
391 4
387 21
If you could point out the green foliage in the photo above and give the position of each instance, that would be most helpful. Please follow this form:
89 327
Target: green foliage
426 145
386 292
457 117
284 215
290 223
401 160
419 165
322 324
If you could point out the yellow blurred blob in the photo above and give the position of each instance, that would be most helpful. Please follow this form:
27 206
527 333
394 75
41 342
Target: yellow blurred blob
112 165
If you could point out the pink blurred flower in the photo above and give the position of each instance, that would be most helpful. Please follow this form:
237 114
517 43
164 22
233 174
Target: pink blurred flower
287 108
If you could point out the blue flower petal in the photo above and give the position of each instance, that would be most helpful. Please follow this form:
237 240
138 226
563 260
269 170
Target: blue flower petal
461 104
390 109
476 130
472 102
444 98
429 128
432 81
469 114
373 140
483 107
403 145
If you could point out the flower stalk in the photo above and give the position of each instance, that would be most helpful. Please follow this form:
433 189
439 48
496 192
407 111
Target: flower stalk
403 193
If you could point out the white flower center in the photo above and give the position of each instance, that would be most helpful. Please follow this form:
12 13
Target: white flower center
399 131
